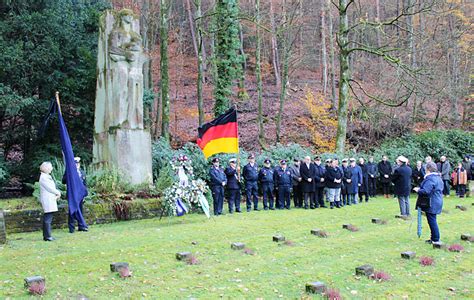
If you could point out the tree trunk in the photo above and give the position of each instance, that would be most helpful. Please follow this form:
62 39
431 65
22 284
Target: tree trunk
258 71
344 77
324 62
191 26
284 80
275 59
242 95
165 97
200 61
331 56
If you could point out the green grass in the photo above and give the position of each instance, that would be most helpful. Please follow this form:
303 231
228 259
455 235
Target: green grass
79 263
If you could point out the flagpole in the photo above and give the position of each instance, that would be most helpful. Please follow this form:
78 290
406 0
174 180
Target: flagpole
59 102
238 148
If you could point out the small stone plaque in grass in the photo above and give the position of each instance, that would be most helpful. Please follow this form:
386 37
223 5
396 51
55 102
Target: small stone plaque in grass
315 287
376 221
439 245
465 236
183 255
403 217
365 270
461 207
278 238
408 255
34 280
115 267
319 233
346 226
237 246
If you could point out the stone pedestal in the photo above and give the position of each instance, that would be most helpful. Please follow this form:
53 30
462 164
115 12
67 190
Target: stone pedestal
3 231
115 267
183 255
408 255
376 221
315 287
346 226
365 270
34 280
237 246
278 238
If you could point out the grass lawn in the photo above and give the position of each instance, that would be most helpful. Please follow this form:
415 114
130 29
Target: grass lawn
79 263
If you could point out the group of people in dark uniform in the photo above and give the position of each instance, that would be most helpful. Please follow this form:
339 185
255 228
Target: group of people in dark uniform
311 182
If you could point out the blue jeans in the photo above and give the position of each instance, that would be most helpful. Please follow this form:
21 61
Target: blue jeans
431 218
404 202
446 187
234 200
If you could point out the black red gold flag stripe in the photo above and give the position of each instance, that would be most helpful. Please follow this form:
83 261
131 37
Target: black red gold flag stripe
220 135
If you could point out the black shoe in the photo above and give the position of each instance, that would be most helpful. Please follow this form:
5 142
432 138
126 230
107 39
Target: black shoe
248 209
324 206
50 239
271 208
72 231
256 209
83 229
239 211
429 241
266 208
305 207
288 208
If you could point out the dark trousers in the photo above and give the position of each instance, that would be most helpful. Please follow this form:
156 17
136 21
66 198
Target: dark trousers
77 217
345 199
251 191
386 188
372 186
308 197
297 195
461 190
234 200
47 220
318 197
431 218
446 187
267 190
284 200
218 197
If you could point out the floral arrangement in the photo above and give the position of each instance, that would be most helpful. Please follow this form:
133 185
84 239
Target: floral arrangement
187 192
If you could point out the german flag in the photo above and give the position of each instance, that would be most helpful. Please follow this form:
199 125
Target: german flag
219 135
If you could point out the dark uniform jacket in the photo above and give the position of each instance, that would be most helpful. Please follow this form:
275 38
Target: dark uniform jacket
217 176
250 173
331 175
384 168
319 172
418 175
82 175
295 174
307 173
346 186
265 175
232 181
282 177
402 180
365 177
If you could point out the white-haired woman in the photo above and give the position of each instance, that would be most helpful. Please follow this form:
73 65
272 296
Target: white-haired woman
49 194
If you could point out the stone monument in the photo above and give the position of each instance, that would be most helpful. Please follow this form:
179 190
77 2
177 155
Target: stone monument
120 139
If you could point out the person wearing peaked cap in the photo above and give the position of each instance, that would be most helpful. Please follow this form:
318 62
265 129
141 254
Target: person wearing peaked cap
282 179
250 174
217 183
402 185
346 182
265 176
79 218
233 186
372 171
267 161
356 181
364 187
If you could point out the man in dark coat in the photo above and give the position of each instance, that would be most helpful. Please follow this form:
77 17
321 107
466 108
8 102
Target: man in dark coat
233 186
372 172
217 183
250 174
356 181
333 179
402 180
295 175
385 170
282 179
444 168
346 182
307 174
418 173
319 183
265 176
364 187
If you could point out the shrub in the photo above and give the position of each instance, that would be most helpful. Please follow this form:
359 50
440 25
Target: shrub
380 276
37 288
193 260
456 248
107 181
333 294
249 251
426 261
279 152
